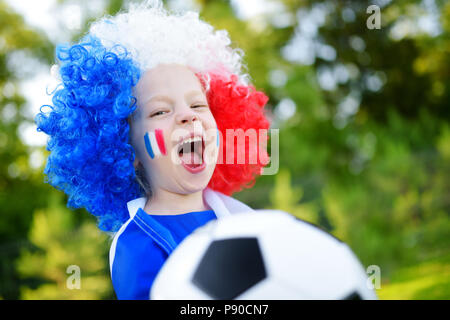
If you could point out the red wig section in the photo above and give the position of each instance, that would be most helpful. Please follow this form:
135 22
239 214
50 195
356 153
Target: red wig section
236 106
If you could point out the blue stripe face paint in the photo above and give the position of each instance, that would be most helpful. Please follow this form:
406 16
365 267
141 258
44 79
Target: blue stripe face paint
148 146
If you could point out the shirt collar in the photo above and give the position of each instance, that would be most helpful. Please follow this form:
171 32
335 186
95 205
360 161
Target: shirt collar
209 195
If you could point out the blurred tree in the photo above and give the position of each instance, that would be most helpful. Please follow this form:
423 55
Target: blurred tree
21 188
285 197
57 244
23 193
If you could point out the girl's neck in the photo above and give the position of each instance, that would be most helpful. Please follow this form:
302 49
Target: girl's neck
164 202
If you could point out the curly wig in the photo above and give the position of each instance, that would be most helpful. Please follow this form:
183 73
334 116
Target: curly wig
91 159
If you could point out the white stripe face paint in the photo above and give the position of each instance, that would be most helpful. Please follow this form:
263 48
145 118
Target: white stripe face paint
154 144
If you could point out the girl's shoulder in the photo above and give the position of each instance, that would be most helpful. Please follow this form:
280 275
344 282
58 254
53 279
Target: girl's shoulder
139 236
135 260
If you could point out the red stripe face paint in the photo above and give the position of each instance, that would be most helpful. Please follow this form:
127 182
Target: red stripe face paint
160 141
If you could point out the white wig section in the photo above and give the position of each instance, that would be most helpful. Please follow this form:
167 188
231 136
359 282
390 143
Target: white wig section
153 35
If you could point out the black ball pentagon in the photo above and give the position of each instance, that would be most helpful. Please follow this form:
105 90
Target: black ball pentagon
230 267
353 296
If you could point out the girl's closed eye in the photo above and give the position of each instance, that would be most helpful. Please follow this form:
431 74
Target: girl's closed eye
199 105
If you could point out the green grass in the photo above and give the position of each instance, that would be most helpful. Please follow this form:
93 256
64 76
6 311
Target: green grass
425 281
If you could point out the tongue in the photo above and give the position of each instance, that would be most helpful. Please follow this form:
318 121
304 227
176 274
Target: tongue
191 158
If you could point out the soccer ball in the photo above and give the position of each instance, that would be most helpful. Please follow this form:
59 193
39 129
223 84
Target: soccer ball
267 254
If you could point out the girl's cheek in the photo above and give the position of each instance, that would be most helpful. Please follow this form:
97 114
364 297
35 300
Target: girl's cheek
155 144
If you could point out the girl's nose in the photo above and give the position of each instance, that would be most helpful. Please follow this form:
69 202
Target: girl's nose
186 117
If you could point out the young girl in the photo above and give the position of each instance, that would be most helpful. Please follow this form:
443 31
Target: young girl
139 134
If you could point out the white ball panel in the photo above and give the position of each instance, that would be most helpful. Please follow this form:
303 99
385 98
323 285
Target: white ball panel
246 225
359 277
311 259
270 289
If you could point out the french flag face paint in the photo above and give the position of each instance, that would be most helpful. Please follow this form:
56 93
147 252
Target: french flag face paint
154 143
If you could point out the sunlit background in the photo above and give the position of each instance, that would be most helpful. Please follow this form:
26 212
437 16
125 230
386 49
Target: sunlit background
364 135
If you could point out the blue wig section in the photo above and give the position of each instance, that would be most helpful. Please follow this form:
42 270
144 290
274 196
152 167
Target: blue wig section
90 158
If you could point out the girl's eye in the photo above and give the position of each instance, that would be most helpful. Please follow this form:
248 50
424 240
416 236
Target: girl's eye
157 113
198 106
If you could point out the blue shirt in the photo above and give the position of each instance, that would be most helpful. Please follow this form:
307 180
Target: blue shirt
144 244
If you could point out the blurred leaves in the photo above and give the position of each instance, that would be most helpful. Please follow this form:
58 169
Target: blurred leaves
287 198
57 244
427 281
15 35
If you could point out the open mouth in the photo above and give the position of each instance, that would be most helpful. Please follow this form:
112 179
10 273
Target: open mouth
191 152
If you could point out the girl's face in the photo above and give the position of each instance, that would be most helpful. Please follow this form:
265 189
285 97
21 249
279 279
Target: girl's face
173 131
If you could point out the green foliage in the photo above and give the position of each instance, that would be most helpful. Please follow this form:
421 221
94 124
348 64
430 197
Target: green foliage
426 281
57 243
21 188
285 197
